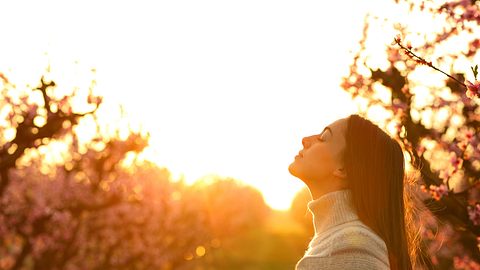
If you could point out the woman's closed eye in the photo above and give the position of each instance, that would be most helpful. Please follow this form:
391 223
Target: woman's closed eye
321 136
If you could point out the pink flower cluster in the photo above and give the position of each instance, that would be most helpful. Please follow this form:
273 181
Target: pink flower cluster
474 213
473 89
465 263
470 10
445 244
455 164
437 192
472 48
469 144
399 107
471 13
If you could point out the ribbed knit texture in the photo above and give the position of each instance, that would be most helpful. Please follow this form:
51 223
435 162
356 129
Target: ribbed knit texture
341 240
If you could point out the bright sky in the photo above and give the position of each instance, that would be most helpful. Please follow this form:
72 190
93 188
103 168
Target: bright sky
224 87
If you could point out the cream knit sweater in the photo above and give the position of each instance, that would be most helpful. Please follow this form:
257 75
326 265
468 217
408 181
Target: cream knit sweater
341 240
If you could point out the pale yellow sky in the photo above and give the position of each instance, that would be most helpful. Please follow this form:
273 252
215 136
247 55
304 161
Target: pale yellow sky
224 87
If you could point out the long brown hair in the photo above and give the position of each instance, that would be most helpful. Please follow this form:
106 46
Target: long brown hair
375 167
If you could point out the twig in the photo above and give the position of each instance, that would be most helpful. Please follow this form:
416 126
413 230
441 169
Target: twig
422 61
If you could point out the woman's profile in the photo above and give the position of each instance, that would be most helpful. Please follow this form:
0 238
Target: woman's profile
355 174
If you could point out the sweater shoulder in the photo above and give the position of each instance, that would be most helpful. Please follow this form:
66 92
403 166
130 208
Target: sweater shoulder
358 234
353 236
359 238
350 246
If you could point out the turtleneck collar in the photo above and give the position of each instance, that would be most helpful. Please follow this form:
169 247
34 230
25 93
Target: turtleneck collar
332 209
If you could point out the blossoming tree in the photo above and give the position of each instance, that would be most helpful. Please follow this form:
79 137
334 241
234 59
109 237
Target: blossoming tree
97 206
428 90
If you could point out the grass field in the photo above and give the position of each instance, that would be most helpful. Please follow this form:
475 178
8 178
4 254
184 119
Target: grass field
278 245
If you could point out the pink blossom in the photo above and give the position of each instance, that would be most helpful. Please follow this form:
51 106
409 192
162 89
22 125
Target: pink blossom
473 89
399 106
455 164
438 192
474 213
455 161
471 13
465 263
97 100
421 149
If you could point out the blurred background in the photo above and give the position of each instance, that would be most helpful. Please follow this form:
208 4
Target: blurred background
157 135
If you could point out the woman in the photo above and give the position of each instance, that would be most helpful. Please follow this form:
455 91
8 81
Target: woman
355 174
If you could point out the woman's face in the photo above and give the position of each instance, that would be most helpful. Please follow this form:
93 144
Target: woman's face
321 156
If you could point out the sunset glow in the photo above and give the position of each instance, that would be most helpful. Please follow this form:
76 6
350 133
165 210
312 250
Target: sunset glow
224 88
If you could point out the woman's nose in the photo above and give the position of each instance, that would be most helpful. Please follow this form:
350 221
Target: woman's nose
304 142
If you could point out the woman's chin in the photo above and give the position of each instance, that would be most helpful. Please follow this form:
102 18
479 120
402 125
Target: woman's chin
292 169
295 170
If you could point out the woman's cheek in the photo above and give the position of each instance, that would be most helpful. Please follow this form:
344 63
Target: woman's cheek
321 162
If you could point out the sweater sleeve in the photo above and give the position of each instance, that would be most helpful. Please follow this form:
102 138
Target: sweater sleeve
350 249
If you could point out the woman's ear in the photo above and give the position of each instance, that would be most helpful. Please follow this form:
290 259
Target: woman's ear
340 173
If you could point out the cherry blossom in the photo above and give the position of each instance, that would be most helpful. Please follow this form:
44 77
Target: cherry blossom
441 128
473 89
474 214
